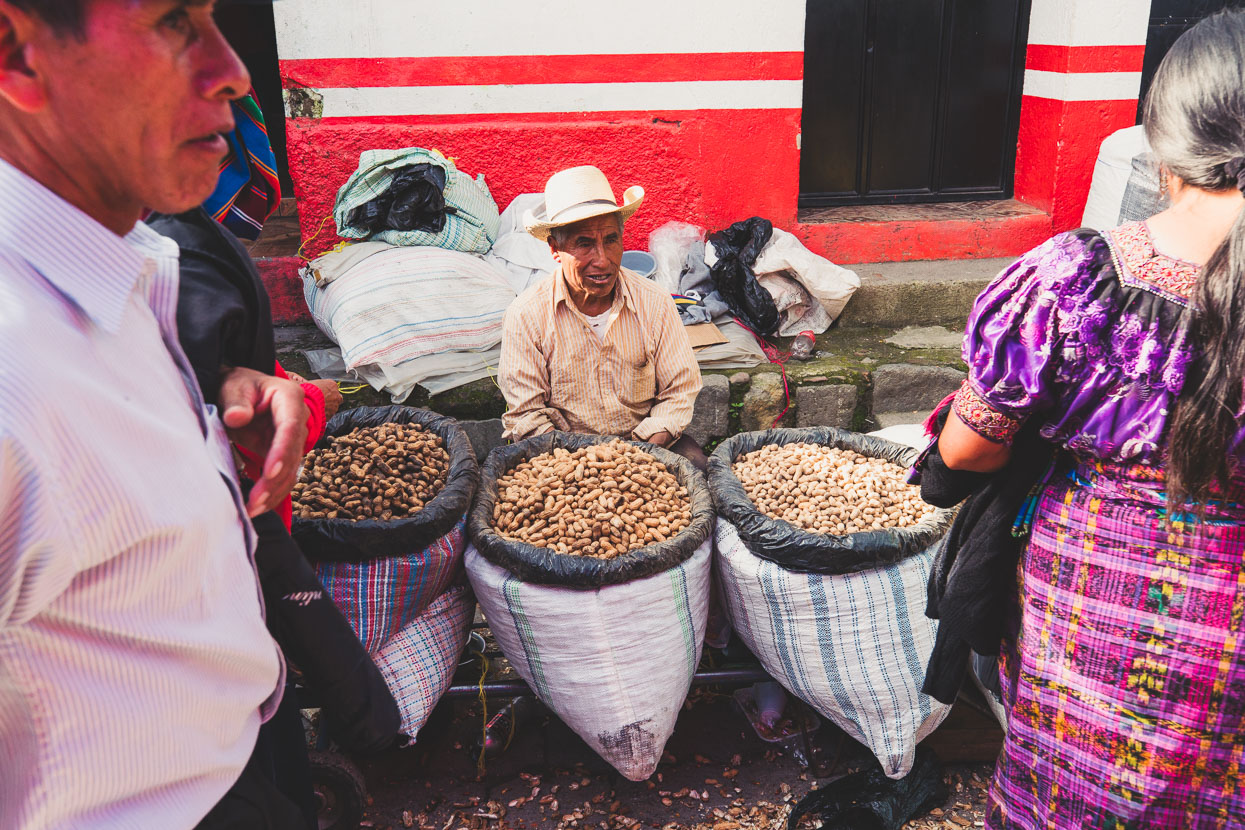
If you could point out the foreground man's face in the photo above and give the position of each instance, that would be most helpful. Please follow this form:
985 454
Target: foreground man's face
137 106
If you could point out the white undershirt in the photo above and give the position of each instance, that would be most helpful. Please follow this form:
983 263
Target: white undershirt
599 323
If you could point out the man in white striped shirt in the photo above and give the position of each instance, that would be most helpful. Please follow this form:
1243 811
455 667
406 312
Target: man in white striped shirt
135 667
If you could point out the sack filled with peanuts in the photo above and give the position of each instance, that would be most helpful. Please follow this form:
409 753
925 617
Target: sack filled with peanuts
824 551
590 557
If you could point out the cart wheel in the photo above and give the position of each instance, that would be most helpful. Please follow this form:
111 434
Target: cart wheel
339 790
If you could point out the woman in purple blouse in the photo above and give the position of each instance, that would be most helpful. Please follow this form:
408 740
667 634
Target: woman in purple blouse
1124 671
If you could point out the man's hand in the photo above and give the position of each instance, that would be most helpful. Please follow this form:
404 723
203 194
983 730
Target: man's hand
661 439
266 415
332 396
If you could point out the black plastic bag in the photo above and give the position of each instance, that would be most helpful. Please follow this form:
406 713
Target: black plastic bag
546 567
805 550
343 540
414 201
737 248
868 800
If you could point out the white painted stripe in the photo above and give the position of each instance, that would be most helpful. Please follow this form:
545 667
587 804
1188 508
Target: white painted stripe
470 100
403 28
1083 86
1087 22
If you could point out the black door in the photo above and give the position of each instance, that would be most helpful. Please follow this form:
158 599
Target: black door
911 100
1169 19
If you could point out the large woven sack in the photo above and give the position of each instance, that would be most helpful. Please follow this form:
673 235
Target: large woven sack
610 646
838 620
418 662
383 574
614 663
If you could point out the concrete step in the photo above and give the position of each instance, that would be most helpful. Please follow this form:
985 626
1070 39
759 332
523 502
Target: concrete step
860 378
923 293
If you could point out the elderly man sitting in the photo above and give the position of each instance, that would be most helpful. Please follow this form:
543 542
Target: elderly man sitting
594 347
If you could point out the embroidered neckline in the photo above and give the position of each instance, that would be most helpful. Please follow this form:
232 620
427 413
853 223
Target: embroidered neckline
1138 262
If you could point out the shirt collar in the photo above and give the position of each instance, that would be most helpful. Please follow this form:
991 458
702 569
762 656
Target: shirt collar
562 295
90 265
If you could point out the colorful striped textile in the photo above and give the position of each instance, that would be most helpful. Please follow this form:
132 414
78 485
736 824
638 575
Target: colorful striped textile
405 303
419 661
248 189
382 596
614 663
1124 673
471 227
852 646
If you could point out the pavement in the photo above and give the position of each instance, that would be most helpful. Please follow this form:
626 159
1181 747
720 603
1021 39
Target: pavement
716 774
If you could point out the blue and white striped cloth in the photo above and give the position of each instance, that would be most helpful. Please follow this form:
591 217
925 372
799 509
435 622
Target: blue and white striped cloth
135 667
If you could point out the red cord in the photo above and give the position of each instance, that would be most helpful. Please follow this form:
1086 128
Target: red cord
779 358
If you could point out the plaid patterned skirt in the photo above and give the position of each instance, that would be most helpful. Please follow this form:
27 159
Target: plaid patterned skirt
1124 673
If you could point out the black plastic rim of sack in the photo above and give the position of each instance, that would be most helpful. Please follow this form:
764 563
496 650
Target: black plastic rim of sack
805 550
345 540
543 566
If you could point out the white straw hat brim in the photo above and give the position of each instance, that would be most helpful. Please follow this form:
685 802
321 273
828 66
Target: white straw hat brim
539 226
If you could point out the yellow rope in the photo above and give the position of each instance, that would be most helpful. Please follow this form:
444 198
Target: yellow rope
307 242
352 390
484 715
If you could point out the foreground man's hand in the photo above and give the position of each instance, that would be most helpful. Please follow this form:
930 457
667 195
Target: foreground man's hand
266 415
661 439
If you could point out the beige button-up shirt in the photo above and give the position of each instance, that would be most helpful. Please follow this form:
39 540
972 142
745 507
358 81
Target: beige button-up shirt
641 378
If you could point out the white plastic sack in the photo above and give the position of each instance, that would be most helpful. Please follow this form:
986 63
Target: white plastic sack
1125 183
797 310
409 302
614 663
831 285
523 257
418 663
669 246
852 646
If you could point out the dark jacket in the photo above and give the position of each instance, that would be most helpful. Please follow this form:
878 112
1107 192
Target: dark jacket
224 319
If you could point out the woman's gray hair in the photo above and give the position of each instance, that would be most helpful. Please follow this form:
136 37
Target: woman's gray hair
1195 122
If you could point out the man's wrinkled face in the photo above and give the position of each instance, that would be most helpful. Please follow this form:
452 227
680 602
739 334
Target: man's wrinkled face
138 105
590 254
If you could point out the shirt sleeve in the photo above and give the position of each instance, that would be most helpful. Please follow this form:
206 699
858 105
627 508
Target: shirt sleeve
523 375
678 378
33 566
1014 339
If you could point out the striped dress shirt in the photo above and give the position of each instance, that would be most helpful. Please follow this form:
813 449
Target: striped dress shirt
639 379
135 667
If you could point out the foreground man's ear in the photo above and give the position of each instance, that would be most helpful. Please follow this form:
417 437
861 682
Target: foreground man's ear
20 84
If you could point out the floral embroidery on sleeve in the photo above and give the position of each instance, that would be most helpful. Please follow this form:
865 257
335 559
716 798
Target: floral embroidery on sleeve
978 416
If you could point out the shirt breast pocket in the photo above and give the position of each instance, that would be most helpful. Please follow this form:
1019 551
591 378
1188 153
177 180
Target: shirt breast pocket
643 385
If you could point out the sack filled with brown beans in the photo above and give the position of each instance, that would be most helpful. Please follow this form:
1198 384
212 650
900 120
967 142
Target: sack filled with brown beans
823 500
384 481
587 510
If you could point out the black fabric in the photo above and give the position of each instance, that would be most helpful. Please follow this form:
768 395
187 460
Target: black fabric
223 313
974 571
224 318
806 550
346 540
737 248
315 636
255 802
415 201
547 567
868 800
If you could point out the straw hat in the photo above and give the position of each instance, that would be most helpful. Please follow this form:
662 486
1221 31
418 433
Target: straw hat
578 193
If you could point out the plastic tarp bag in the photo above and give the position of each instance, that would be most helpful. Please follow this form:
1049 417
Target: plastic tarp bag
740 351
838 620
419 661
828 284
608 646
868 800
406 303
383 574
797 310
470 227
731 255
523 257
